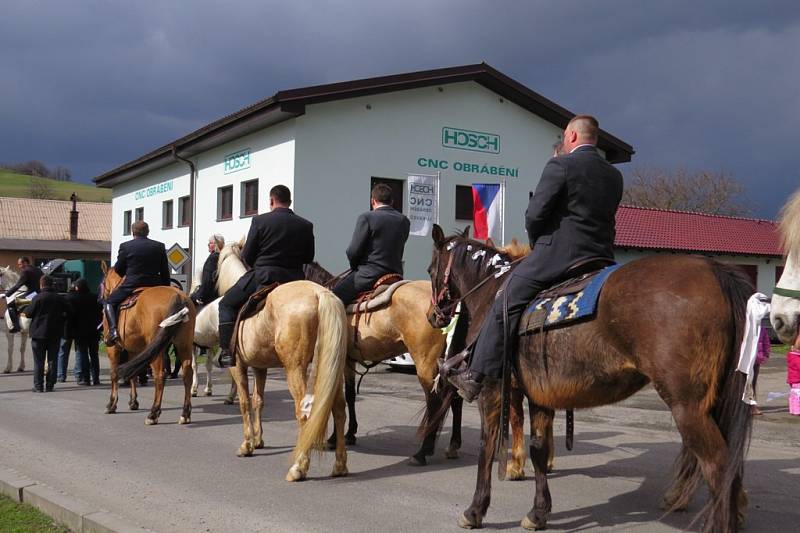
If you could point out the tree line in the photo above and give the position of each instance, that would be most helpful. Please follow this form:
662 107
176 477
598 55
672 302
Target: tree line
39 170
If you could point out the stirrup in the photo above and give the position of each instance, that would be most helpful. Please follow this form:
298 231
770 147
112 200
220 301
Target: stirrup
226 359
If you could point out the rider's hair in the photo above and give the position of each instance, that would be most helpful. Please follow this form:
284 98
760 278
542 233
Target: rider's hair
140 229
281 194
25 259
586 126
382 193
218 240
46 281
81 285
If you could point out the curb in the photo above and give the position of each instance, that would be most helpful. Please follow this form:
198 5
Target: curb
78 516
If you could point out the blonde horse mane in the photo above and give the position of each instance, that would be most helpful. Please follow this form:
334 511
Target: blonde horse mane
230 266
515 250
789 226
7 277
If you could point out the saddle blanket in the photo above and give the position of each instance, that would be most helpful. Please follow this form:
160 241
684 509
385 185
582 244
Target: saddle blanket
544 313
381 297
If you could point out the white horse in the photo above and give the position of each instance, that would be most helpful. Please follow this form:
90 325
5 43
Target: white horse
7 279
785 314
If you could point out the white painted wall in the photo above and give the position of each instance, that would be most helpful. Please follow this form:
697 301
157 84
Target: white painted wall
342 144
766 266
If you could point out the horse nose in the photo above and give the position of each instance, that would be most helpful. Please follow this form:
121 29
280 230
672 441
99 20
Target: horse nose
777 323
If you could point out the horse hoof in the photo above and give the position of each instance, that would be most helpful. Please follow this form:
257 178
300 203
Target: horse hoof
228 401
295 474
451 454
339 471
8 371
515 474
183 420
150 421
110 411
194 394
466 523
330 444
259 445
349 440
417 460
533 525
21 369
245 450
134 406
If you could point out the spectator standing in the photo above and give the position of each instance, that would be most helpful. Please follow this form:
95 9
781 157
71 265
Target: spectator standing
762 354
48 312
793 379
82 327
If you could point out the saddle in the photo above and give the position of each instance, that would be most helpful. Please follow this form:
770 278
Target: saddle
378 297
251 307
131 300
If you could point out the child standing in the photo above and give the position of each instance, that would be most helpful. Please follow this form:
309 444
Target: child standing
48 311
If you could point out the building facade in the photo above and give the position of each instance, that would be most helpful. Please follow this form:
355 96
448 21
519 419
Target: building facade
329 144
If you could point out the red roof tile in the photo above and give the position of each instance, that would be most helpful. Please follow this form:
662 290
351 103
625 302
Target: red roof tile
661 229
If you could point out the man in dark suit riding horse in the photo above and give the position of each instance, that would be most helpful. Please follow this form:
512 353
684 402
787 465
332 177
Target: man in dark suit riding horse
570 224
29 278
376 248
143 263
278 245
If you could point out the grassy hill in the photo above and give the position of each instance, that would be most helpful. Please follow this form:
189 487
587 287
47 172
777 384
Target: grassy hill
16 185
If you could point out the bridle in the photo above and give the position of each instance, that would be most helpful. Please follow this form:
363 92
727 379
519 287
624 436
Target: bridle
788 293
444 312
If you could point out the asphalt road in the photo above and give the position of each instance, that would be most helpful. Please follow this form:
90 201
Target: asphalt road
187 478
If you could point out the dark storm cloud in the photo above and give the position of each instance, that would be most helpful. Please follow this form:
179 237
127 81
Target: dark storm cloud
704 85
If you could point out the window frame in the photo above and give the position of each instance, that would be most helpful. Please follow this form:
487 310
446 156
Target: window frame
139 214
167 208
243 212
184 201
220 192
460 209
127 221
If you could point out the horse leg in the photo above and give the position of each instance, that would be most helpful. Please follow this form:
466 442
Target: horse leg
111 406
515 471
258 406
23 342
184 355
157 365
427 368
10 344
231 394
702 436
489 407
350 397
295 379
687 478
340 464
456 407
209 366
541 454
239 376
194 372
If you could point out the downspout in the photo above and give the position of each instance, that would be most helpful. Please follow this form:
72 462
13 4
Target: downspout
192 178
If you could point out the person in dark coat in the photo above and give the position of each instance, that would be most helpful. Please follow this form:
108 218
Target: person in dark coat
83 327
29 277
376 248
206 292
48 311
143 263
570 224
278 245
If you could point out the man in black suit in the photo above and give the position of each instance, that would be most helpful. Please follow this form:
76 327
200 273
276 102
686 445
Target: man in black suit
143 263
277 246
376 248
570 224
29 277
48 312
206 292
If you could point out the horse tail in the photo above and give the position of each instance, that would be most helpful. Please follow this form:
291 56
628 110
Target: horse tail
168 329
731 414
329 359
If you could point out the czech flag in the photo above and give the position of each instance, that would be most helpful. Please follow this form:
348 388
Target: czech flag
486 200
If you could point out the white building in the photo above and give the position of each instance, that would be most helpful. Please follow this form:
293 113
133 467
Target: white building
330 143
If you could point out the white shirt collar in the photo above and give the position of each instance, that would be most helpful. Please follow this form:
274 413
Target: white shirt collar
581 146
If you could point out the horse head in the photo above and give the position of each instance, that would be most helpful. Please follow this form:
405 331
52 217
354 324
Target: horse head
785 313
111 280
230 266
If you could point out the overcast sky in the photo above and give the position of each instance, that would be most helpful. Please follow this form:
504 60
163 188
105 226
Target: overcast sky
697 84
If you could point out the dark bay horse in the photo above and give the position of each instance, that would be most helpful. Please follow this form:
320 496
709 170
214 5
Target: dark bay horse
673 321
162 316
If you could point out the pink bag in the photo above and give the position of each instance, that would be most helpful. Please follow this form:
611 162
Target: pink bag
794 399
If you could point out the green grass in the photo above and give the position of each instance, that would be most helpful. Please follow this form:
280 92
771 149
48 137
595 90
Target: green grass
779 349
17 185
22 518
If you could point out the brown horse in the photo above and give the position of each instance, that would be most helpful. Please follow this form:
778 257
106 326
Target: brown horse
300 323
673 321
385 333
161 316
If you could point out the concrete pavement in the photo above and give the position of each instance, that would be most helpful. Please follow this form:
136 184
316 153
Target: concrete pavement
187 478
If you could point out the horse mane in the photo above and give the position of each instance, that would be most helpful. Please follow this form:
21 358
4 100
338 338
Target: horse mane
483 256
230 266
514 250
7 277
789 226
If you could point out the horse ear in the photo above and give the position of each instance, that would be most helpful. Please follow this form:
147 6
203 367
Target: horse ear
437 234
490 243
104 267
465 233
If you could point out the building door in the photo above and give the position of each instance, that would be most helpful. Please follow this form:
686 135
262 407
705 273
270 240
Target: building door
397 190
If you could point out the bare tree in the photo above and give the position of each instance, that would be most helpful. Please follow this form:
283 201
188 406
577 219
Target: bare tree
715 193
61 174
41 189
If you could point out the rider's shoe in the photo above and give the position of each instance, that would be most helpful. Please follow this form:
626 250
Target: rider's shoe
468 384
225 359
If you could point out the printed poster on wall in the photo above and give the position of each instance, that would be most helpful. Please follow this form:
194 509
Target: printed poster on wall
423 203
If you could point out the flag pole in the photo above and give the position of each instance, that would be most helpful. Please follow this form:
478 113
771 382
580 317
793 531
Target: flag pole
503 213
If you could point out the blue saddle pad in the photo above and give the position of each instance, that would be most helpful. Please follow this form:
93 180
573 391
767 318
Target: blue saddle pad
548 312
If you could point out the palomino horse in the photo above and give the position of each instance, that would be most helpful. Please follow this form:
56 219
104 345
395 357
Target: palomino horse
675 321
785 314
7 279
300 322
161 316
385 333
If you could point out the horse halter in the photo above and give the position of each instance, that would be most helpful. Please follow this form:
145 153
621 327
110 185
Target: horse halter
788 293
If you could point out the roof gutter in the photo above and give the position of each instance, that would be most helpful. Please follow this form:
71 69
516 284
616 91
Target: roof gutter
192 179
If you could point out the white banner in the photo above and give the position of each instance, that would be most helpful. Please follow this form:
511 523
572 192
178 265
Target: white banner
423 203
